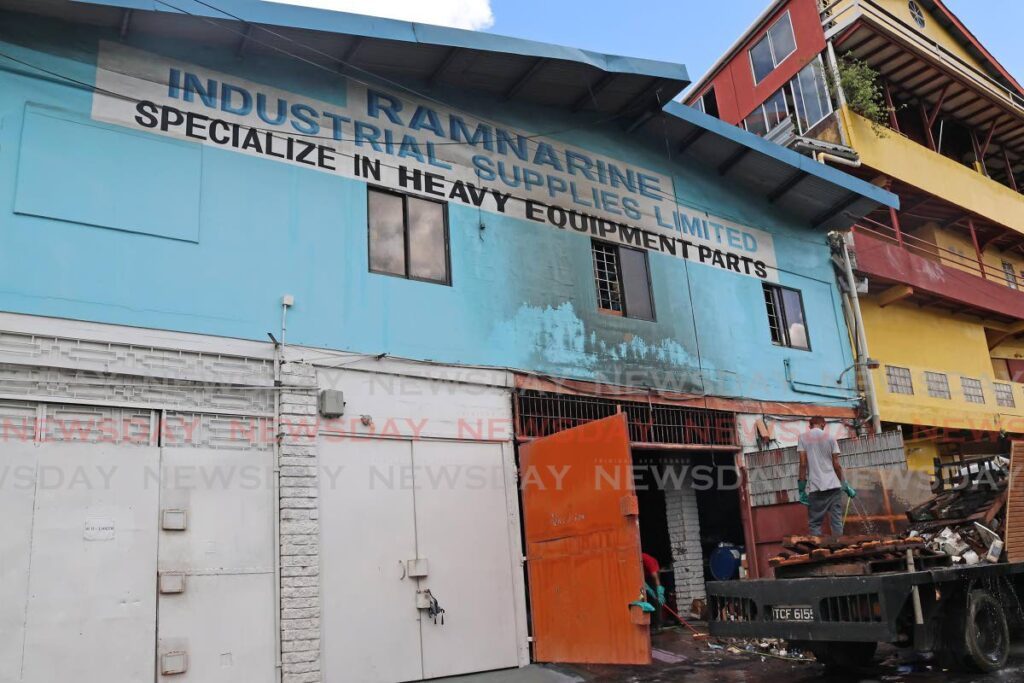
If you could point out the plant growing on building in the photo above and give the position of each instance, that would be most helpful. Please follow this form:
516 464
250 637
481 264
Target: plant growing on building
861 86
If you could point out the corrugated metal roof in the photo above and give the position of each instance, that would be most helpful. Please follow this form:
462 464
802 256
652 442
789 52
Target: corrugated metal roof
635 90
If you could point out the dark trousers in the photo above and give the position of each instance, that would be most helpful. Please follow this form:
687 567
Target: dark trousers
653 599
824 503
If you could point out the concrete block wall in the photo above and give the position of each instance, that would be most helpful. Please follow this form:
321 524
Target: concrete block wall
684 535
300 525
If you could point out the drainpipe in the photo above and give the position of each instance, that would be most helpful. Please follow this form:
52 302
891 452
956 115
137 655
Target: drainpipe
822 157
278 359
862 340
278 669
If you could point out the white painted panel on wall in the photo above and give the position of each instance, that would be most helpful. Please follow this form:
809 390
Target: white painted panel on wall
92 603
414 407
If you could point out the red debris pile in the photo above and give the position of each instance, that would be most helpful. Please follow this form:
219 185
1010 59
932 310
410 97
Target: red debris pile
806 556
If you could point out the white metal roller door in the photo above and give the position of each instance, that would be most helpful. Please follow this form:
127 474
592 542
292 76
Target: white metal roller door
221 614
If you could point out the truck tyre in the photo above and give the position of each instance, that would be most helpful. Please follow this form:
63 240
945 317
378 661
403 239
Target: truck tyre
844 655
978 638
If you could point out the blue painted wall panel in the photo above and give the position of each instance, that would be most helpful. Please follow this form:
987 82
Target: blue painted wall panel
52 185
522 293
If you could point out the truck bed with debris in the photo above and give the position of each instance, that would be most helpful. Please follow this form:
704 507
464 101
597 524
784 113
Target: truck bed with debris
945 586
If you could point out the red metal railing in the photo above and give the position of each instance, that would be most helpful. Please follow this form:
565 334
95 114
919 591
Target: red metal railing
972 264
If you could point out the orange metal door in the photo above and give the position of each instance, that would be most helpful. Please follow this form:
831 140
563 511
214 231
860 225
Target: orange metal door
583 546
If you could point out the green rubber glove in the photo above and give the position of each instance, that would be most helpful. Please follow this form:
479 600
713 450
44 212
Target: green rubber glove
661 595
849 490
644 606
804 498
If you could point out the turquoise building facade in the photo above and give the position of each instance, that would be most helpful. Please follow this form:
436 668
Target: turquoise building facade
108 218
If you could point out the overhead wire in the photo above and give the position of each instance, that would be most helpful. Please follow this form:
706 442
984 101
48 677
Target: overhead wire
673 197
529 138
512 196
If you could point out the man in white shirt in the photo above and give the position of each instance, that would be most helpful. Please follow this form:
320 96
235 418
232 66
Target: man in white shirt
821 480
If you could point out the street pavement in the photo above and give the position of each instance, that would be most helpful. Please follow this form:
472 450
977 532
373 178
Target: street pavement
679 657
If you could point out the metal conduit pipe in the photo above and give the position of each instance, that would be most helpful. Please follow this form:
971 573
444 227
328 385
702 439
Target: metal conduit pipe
278 350
833 65
861 338
822 157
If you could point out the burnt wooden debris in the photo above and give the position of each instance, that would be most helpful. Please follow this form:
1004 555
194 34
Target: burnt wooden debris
805 556
963 519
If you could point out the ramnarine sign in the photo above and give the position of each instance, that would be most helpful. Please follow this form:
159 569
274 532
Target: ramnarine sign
423 148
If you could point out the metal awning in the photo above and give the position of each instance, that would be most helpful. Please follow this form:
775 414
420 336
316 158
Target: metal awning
498 66
819 195
631 92
992 109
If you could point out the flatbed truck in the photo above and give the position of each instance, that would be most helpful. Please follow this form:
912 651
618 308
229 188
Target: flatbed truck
965 614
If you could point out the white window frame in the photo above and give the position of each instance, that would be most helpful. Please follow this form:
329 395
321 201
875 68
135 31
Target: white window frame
795 83
759 108
1009 274
771 46
764 112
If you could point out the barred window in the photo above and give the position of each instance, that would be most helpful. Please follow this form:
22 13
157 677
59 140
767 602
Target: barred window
1004 395
973 392
899 380
938 385
622 280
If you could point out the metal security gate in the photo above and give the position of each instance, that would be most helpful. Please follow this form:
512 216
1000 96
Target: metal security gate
78 544
116 552
650 424
402 521
216 555
583 546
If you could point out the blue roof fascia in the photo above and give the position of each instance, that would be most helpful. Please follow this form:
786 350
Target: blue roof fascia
307 18
783 154
312 19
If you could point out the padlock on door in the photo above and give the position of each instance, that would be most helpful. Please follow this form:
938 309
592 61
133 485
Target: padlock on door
425 600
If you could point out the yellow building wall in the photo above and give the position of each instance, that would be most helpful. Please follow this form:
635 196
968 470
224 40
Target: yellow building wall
906 336
1012 349
956 249
921 455
902 158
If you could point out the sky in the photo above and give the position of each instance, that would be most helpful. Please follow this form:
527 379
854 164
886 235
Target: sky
694 32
